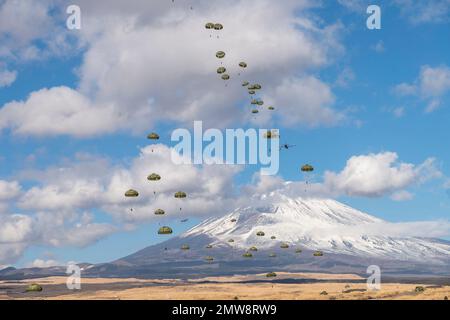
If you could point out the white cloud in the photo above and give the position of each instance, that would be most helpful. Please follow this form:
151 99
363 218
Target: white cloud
345 78
7 78
169 62
379 47
431 11
432 85
39 263
375 175
9 189
402 196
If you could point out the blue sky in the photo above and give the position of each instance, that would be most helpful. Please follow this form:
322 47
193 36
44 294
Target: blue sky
378 84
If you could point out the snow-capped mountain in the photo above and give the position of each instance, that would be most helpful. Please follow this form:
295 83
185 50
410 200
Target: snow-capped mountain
319 224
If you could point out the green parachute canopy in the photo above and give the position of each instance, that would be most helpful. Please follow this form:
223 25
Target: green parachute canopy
209 25
252 92
243 65
34 288
225 77
255 111
260 234
165 230
221 70
271 108
153 136
180 195
298 251
318 254
247 255
154 177
254 101
160 212
257 86
220 54
209 258
218 26
271 275
253 249
231 240
233 220
245 83
307 168
273 237
260 103
209 246
272 255
131 193
284 246
185 247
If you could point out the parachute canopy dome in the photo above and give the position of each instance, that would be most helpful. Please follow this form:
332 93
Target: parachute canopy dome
165 230
272 255
209 258
245 83
318 254
260 103
221 70
243 65
154 177
209 246
180 195
254 101
231 240
271 108
252 92
307 168
273 237
225 77
298 251
209 25
233 220
185 247
160 212
253 249
271 275
220 54
260 234
153 136
247 255
284 246
131 193
34 288
218 26
255 111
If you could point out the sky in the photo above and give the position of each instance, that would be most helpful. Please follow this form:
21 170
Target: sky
368 108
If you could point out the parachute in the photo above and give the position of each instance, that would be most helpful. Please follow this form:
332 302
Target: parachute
209 258
271 275
255 111
220 54
271 108
260 103
245 83
272 255
153 136
154 177
209 246
298 251
284 246
307 168
252 92
243 65
253 249
221 70
247 255
180 195
233 220
209 25
165 230
273 237
260 234
254 101
271 135
218 26
231 240
159 212
131 193
185 247
225 77
34 288
318 254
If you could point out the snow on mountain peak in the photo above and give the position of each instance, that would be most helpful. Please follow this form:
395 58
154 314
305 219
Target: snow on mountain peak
315 224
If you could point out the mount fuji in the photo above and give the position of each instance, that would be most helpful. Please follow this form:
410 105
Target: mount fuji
286 232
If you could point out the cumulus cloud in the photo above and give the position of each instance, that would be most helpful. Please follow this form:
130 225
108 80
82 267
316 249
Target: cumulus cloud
432 85
7 78
431 11
169 62
9 189
40 263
